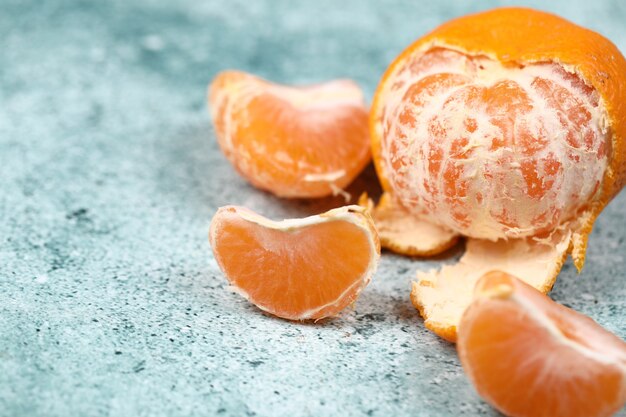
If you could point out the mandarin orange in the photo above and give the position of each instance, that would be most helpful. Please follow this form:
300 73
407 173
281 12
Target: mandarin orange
504 124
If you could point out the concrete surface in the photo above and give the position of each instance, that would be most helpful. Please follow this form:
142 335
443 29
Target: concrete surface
110 302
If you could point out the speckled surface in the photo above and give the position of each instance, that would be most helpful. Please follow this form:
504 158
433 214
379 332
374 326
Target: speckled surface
110 302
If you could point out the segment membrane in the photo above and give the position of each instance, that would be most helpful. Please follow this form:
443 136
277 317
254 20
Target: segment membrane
492 151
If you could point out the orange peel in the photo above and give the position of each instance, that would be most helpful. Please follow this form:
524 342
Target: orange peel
441 295
404 233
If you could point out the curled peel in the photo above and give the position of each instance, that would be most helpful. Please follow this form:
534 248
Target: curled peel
442 295
406 233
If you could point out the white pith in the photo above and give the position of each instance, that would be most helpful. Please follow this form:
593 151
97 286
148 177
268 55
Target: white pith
327 177
445 293
574 185
408 233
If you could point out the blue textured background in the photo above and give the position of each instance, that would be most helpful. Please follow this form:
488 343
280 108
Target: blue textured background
110 302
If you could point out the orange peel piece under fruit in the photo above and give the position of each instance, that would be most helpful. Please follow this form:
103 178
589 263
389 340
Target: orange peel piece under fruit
441 295
405 233
531 357
292 141
297 269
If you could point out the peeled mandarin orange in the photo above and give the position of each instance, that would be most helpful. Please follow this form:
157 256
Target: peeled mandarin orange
442 295
292 141
531 357
406 233
297 269
504 124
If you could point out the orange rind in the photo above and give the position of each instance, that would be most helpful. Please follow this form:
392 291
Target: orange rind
441 295
404 233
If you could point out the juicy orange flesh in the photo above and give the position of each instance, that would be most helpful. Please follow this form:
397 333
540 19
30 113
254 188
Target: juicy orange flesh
325 138
292 273
295 142
524 369
464 135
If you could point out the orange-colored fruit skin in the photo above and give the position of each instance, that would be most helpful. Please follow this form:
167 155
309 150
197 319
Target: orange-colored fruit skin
532 380
517 36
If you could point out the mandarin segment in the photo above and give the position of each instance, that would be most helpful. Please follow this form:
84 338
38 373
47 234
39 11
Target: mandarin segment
531 357
296 269
292 141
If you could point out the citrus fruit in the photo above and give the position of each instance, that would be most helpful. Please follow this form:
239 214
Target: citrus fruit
442 295
292 141
531 357
296 269
507 126
504 124
406 233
